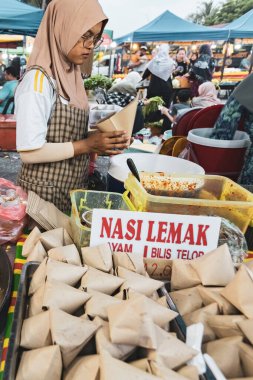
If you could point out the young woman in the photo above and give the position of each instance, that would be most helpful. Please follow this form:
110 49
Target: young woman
207 96
52 107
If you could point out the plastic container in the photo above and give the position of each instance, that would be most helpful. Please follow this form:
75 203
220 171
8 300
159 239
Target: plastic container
84 200
218 196
222 157
118 170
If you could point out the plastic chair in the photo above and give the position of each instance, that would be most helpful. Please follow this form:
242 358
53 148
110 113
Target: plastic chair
10 101
205 118
182 121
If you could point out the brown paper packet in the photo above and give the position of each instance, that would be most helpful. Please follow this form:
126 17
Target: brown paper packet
183 275
160 315
70 333
158 269
111 369
242 378
100 281
246 326
225 325
225 353
36 302
211 295
164 373
170 352
138 282
38 253
58 295
83 367
53 238
35 331
131 323
99 257
215 268
40 364
201 315
98 303
68 254
240 291
162 301
38 278
103 342
62 272
143 364
31 241
187 300
130 261
246 356
189 372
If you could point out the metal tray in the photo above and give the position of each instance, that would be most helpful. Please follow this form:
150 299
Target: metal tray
14 351
5 286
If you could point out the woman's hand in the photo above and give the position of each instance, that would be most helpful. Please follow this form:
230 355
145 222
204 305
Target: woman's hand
110 143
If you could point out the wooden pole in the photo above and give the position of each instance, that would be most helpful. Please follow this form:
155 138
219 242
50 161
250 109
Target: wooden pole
251 60
224 60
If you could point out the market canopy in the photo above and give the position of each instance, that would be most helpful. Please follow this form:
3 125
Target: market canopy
169 27
242 27
19 18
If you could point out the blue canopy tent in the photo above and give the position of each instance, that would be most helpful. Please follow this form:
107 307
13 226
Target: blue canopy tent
169 27
19 18
242 27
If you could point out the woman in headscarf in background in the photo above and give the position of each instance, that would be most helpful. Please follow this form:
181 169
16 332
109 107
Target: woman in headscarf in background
207 96
202 69
159 70
239 106
52 107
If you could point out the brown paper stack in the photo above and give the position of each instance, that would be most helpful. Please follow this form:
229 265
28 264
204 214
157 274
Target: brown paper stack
98 304
99 257
68 254
100 281
36 331
70 333
138 282
225 325
225 353
183 275
40 364
201 315
31 241
111 369
46 214
211 295
215 268
240 291
83 367
187 300
103 342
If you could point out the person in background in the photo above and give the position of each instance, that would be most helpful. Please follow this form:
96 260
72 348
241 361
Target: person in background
207 96
193 58
141 62
182 63
245 63
202 69
52 108
160 70
239 105
183 102
8 89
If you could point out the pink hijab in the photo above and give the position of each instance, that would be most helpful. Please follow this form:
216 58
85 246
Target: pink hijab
63 24
207 96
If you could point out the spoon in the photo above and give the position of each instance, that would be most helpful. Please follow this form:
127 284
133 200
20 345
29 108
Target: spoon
133 169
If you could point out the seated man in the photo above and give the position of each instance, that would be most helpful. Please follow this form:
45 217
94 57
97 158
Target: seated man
245 63
8 89
183 102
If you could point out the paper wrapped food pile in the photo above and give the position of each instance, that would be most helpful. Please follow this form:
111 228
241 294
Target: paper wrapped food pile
95 315
211 291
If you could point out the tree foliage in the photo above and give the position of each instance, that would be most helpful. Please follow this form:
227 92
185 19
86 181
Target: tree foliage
208 14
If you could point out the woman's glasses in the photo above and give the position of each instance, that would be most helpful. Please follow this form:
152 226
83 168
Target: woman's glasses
88 38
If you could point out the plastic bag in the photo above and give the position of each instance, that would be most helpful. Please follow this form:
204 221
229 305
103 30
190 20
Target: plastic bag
13 219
